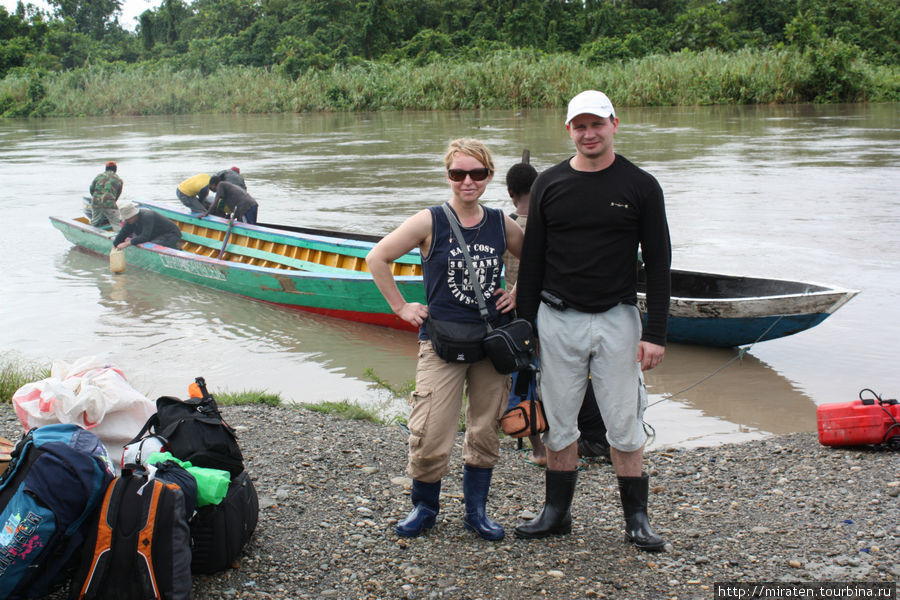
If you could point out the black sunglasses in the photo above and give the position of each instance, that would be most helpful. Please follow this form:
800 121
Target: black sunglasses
476 174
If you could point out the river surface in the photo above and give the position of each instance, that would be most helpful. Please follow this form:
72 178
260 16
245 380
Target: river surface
797 192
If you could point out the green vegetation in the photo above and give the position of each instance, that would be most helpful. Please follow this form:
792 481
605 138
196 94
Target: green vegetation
345 410
402 391
247 397
256 56
16 372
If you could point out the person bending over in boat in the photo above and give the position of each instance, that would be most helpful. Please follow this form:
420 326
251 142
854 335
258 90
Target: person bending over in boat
105 191
233 175
192 192
145 225
236 200
437 398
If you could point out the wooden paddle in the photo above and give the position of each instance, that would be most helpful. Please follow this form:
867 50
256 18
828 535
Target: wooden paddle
227 236
526 156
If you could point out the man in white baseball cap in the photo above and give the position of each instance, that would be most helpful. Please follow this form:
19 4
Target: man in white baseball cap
578 281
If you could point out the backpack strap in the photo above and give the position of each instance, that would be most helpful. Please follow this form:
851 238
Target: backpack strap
100 563
152 424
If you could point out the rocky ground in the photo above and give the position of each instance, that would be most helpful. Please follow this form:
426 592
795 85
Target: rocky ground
783 509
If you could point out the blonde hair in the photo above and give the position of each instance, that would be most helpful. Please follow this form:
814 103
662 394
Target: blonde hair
470 147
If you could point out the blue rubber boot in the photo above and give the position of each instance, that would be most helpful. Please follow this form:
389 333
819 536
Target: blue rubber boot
424 497
476 483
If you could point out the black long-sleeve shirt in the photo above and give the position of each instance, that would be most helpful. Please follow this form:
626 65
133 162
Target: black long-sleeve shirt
582 239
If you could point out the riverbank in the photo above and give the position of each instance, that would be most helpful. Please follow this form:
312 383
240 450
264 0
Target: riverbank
780 509
499 80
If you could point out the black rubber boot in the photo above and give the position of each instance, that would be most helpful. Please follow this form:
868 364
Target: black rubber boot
425 501
476 483
591 449
555 518
634 492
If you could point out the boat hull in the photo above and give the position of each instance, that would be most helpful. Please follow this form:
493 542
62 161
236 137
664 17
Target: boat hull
711 309
349 295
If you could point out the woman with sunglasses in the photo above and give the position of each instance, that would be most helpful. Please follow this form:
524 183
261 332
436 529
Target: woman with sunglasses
437 399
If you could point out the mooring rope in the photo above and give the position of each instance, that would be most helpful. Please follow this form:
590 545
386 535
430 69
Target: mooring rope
741 351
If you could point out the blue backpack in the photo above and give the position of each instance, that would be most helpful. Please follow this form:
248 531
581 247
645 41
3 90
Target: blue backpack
50 490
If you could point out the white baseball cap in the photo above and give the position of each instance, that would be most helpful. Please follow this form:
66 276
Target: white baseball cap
590 102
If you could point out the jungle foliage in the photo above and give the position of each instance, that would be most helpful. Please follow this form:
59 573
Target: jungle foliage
833 41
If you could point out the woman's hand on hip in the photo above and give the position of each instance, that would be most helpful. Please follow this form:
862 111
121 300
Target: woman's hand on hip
413 313
506 301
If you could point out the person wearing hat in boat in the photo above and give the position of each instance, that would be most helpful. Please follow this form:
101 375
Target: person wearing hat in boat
144 225
438 396
236 200
588 217
192 192
105 191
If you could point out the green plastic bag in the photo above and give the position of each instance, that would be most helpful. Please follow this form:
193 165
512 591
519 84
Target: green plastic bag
212 484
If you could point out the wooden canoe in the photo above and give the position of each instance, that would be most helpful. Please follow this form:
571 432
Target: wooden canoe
711 309
294 267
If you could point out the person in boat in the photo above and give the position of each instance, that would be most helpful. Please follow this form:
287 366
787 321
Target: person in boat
192 192
233 199
578 283
233 175
144 225
105 191
437 399
592 432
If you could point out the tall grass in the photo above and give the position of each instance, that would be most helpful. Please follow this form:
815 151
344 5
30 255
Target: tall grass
247 397
831 72
16 372
345 410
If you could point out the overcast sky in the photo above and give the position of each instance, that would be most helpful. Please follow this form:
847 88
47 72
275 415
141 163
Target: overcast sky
131 9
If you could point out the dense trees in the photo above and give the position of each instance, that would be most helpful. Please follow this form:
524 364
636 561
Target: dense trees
297 38
295 35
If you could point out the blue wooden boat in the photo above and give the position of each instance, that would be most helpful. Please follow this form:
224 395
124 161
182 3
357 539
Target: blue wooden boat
711 309
325 272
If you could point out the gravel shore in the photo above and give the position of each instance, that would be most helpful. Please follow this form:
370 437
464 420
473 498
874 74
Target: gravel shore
781 509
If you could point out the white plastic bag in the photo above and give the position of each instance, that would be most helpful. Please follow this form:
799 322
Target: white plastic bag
91 393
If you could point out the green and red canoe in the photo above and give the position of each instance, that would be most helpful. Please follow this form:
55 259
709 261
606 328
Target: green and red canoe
307 269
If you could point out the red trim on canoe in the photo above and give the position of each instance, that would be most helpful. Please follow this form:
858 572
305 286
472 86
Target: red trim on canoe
382 319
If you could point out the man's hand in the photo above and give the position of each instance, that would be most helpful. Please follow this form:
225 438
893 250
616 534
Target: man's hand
650 355
413 313
123 245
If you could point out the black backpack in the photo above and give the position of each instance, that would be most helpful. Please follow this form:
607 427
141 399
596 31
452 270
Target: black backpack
196 432
140 544
219 532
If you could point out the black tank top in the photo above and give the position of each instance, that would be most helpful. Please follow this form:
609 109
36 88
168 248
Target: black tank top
448 290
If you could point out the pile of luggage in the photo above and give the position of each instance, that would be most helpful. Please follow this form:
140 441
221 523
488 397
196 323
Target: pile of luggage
182 504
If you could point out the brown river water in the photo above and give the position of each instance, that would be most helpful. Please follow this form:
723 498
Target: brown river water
798 192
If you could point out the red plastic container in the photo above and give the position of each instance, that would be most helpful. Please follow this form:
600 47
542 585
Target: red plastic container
861 422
